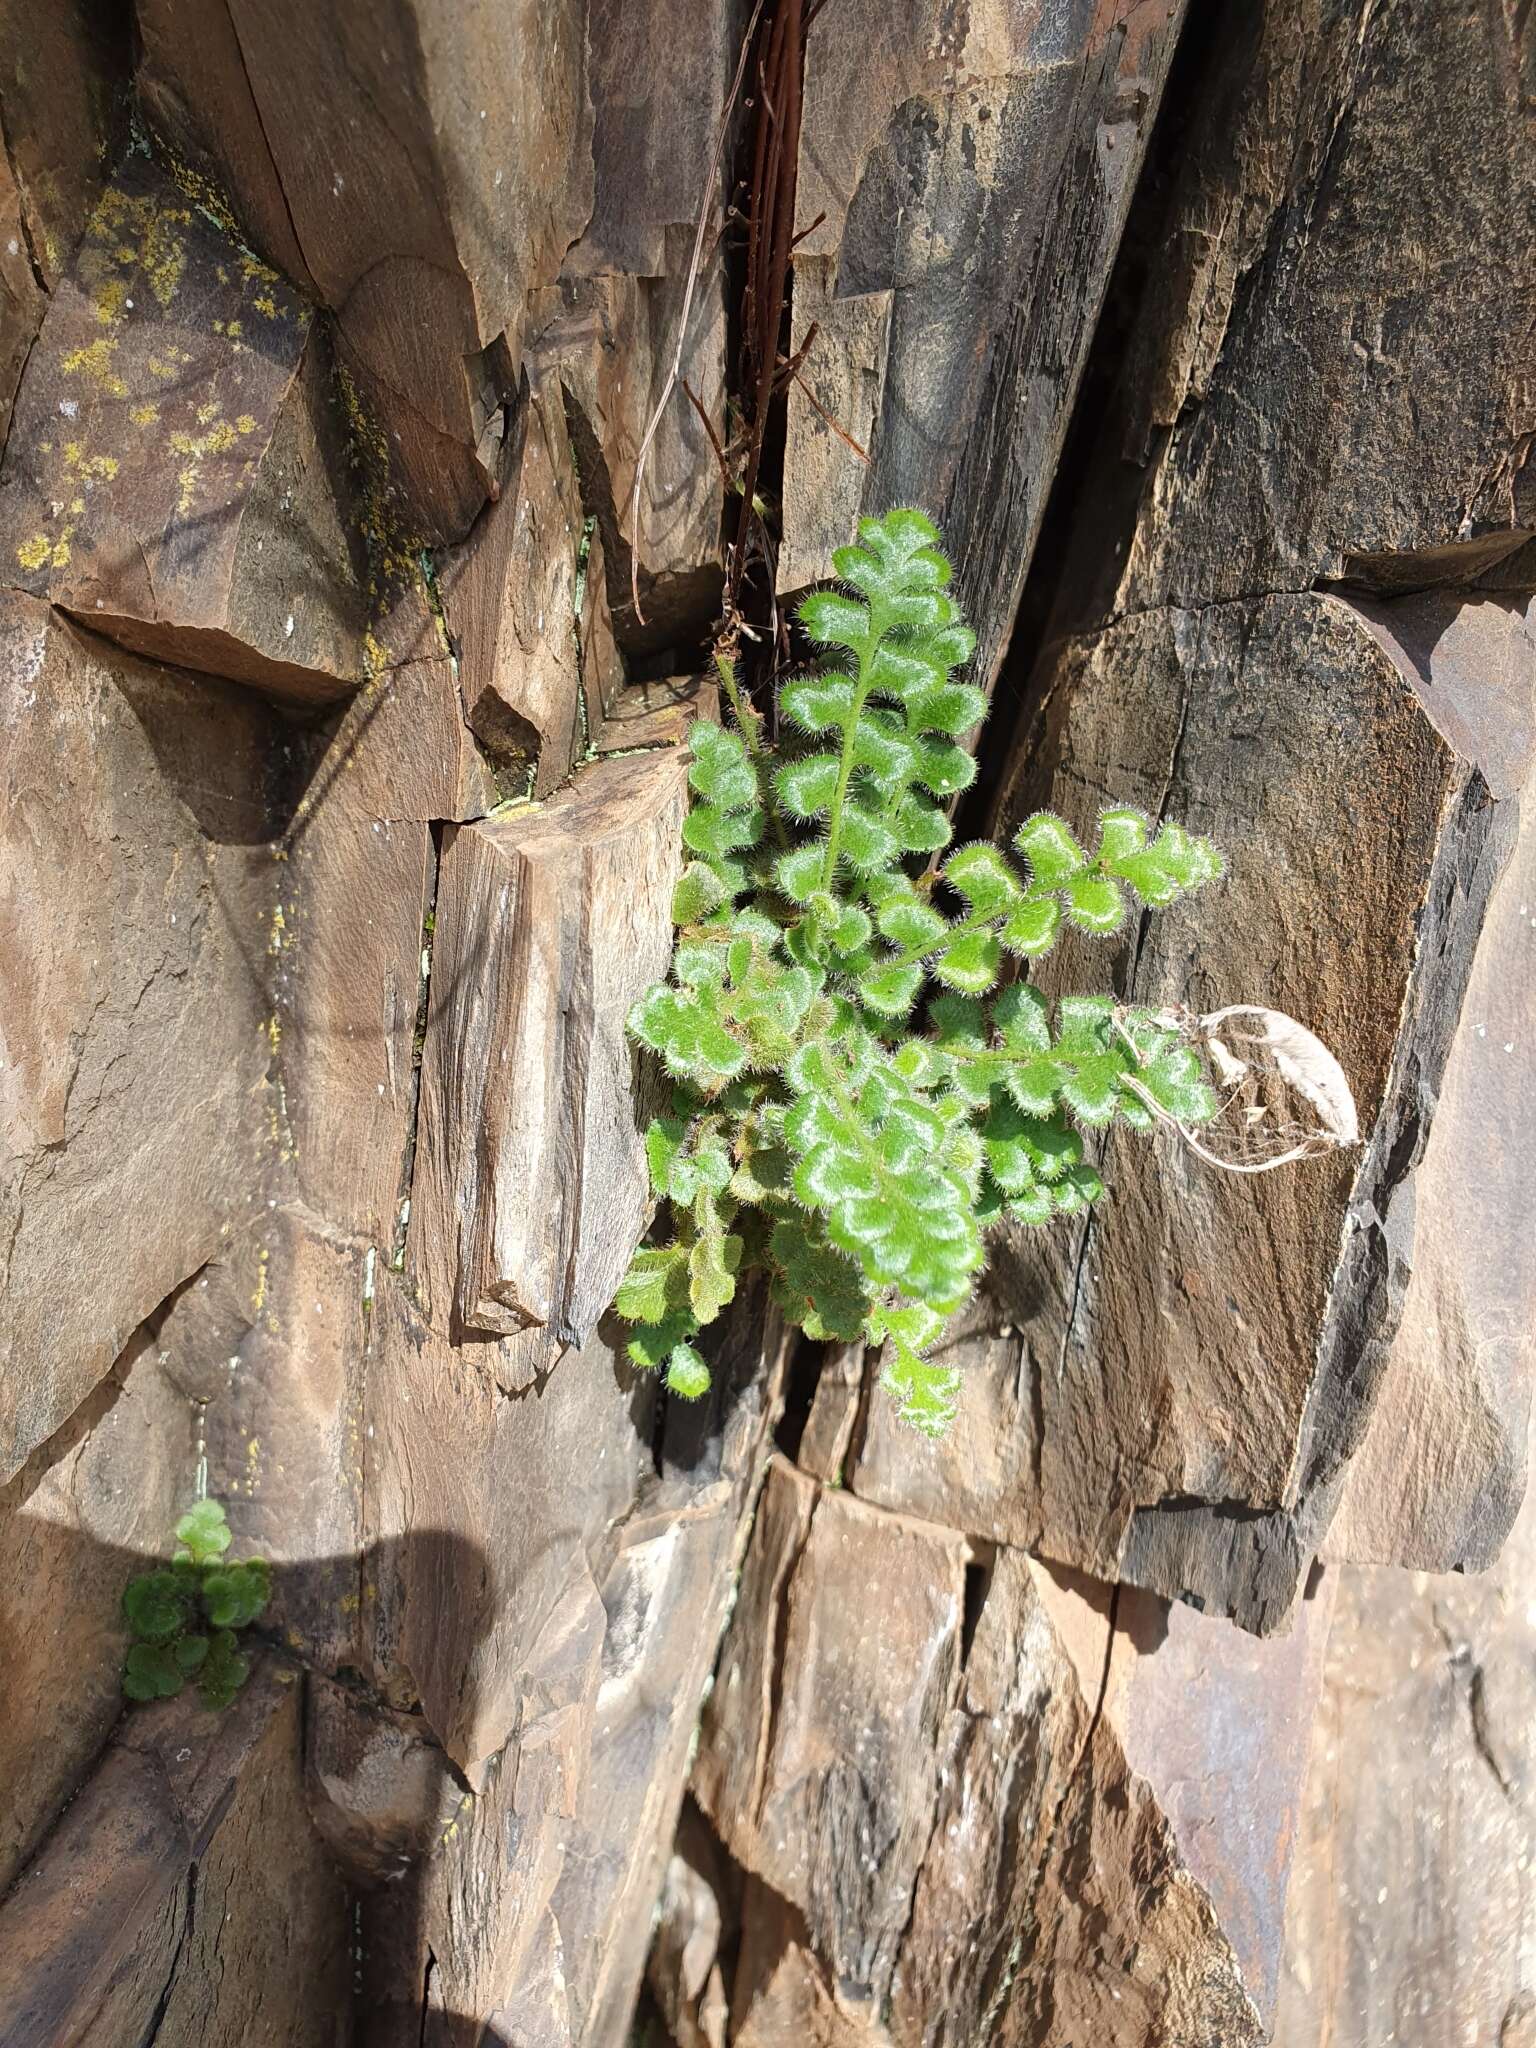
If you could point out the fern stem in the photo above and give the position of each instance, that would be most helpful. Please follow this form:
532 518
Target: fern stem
749 723
747 719
850 739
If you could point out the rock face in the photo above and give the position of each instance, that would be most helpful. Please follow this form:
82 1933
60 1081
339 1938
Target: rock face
530 1170
1186 1428
167 479
133 1054
355 602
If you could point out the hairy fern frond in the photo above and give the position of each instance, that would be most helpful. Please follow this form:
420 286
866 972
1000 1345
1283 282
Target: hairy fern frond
819 1132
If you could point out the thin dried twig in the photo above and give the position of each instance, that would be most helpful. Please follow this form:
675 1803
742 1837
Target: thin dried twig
694 268
714 439
841 432
776 150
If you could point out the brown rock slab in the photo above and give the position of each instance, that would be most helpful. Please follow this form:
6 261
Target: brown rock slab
1283 397
657 713
558 1639
350 941
526 1547
63 71
1088 1799
1416 1848
284 1431
818 1734
196 94
972 180
137 877
1444 1466
104 1938
1054 1904
835 402
609 338
530 1188
175 477
602 665
379 1786
683 1970
510 599
1170 1394
265 1941
797 1999
22 298
426 225
655 126
1218 1725
76 1522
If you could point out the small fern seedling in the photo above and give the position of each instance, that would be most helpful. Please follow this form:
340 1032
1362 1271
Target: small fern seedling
186 1616
861 1084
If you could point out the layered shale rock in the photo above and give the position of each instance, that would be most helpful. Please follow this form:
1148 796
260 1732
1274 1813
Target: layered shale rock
184 1893
963 186
174 476
355 600
137 877
530 1176
976 1797
422 224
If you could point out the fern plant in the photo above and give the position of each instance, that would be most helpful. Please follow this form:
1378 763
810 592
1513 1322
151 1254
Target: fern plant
862 1085
185 1617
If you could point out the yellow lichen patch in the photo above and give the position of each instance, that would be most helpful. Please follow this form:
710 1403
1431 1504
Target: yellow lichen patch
42 552
95 362
222 435
253 270
159 249
265 303
394 553
95 468
76 506
160 369
163 254
144 415
111 297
